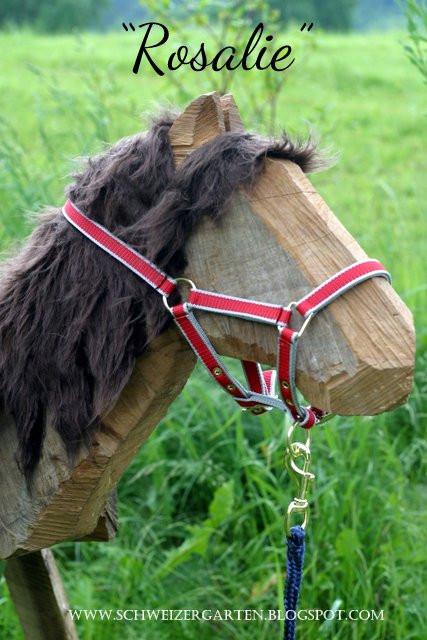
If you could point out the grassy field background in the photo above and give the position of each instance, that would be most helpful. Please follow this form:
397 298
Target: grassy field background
201 508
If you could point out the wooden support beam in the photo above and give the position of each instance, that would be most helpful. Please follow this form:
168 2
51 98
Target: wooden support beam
39 597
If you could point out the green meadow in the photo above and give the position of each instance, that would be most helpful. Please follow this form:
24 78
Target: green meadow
201 507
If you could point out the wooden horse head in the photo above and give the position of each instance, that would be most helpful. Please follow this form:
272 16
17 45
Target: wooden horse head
80 333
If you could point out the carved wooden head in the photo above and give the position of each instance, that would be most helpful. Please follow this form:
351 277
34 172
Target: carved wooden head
275 243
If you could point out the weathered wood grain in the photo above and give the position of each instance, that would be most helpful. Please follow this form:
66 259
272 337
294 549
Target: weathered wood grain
108 522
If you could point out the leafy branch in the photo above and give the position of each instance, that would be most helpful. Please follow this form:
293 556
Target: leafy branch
224 22
416 48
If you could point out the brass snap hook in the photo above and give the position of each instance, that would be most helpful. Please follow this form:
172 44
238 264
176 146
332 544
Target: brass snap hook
299 474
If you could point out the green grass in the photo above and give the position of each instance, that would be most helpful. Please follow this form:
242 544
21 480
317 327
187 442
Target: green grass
201 507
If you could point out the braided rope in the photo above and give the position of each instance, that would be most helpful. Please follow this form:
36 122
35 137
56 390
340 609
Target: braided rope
295 565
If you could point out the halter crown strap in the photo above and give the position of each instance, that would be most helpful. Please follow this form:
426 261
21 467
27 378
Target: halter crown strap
133 260
260 395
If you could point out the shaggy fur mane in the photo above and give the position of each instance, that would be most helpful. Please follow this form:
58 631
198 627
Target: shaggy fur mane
72 319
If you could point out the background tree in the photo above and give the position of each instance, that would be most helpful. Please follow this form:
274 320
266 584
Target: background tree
44 15
331 15
224 22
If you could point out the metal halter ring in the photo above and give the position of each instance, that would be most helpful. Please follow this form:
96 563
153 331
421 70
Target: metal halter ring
187 281
292 306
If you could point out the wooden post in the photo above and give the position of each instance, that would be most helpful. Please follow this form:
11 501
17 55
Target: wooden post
39 597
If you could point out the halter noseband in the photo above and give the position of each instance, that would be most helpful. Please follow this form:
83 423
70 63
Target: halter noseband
259 396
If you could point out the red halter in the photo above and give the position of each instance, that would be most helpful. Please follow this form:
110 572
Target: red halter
260 396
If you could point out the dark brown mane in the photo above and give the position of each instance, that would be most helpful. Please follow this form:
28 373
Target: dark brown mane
72 319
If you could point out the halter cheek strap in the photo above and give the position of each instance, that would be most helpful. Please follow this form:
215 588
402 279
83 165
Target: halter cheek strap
259 396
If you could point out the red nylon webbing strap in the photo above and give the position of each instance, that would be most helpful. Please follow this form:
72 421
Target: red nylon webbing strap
119 250
270 380
238 307
288 340
206 355
257 400
286 336
254 376
339 284
259 381
204 351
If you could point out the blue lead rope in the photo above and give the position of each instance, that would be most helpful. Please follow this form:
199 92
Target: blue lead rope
295 565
